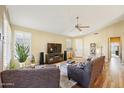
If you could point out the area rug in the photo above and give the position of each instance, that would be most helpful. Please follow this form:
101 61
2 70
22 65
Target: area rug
64 81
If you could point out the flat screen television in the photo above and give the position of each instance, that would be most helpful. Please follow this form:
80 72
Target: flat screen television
54 48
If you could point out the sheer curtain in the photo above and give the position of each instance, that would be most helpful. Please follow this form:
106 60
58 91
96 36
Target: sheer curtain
69 48
78 48
6 43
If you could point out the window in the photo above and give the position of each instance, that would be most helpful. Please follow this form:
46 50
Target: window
79 48
68 44
23 38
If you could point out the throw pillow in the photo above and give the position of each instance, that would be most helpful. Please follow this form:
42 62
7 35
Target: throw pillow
81 65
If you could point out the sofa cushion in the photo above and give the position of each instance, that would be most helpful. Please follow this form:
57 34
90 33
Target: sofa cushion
81 65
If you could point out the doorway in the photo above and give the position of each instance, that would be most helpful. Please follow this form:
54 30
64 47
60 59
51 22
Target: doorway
115 50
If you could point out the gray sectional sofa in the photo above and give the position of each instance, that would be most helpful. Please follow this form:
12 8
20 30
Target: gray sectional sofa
86 75
49 77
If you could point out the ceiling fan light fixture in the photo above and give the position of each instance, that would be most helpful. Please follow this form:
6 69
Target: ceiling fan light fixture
78 26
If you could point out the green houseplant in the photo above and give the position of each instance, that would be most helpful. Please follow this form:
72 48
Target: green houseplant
22 52
12 64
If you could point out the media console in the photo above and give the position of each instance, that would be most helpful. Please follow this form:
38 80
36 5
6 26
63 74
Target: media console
54 53
54 58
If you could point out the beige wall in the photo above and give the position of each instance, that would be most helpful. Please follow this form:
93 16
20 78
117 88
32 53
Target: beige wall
101 39
40 40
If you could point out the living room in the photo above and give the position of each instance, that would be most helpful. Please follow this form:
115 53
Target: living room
54 39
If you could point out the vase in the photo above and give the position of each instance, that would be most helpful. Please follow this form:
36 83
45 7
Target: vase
22 64
32 65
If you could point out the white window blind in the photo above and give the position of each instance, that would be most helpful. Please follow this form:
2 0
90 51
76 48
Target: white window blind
79 48
6 43
68 44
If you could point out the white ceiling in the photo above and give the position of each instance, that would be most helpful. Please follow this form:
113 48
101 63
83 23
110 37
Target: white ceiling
61 19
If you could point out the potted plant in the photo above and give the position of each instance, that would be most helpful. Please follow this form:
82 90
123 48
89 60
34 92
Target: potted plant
22 53
32 61
12 64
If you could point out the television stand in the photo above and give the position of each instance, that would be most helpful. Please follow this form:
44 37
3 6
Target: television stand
54 58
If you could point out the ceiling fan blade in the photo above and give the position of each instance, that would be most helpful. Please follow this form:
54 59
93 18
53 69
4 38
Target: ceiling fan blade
84 26
79 29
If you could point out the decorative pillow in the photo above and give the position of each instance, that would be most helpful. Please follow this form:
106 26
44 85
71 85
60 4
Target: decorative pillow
89 59
70 62
81 65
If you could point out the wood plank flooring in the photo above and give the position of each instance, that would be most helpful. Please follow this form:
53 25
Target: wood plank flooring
111 77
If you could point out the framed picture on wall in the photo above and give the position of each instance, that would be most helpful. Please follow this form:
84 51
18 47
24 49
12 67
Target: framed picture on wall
93 49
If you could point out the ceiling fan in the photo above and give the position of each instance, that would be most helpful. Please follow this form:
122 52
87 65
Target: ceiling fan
78 26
